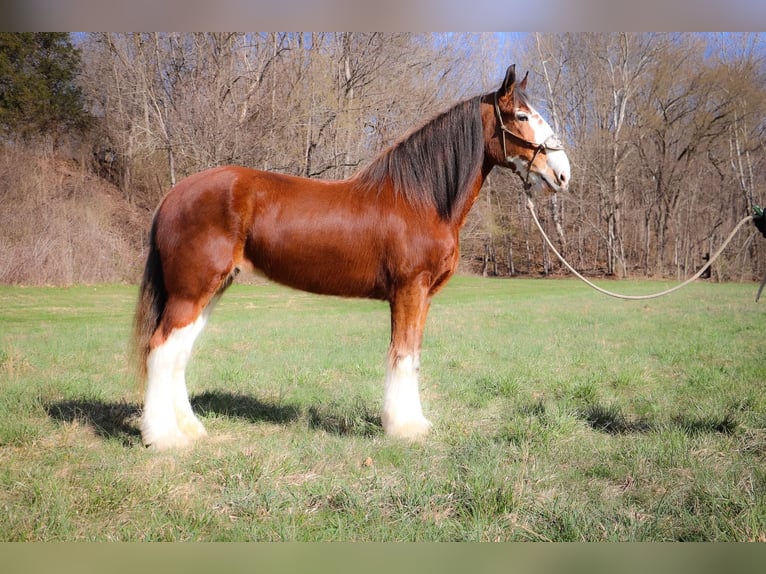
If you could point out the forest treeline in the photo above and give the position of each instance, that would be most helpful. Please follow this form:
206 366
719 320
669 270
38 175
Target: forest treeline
665 133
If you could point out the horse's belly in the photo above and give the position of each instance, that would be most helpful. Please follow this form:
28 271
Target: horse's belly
320 265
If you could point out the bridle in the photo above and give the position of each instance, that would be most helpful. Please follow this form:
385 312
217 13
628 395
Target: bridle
551 143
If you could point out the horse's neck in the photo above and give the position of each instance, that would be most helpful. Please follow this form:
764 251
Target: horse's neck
462 210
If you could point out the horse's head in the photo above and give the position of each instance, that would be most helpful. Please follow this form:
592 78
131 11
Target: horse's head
529 146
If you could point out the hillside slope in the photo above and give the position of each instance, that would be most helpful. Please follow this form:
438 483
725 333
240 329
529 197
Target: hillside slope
61 225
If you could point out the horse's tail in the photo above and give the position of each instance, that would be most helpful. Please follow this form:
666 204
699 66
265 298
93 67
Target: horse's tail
152 298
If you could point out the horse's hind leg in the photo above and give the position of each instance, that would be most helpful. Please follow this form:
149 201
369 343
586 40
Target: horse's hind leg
168 420
187 422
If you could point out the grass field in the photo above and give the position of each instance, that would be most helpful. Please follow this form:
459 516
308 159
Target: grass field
558 415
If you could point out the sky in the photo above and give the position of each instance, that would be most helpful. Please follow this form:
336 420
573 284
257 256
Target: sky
391 15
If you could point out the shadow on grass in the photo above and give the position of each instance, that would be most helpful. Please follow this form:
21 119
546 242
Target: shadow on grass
245 407
120 421
345 420
611 420
109 420
354 419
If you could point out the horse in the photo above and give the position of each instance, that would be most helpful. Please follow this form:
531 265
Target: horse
389 232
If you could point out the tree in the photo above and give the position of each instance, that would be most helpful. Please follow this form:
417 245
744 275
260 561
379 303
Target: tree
38 85
314 104
685 110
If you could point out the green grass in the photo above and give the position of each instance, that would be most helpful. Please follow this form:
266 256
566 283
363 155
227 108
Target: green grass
559 415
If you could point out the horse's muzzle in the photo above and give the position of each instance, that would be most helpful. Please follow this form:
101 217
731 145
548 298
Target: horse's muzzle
558 172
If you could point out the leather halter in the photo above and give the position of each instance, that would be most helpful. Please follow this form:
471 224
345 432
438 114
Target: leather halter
551 143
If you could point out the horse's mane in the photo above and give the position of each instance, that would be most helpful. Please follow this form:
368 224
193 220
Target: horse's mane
435 164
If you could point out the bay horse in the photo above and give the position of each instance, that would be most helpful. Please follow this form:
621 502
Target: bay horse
389 232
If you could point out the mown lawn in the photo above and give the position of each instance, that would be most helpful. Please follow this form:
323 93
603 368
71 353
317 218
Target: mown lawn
558 414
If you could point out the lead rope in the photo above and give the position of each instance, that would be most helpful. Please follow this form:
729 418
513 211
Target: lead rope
531 207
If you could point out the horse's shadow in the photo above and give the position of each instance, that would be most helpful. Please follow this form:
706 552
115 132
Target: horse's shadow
611 420
245 407
120 420
117 421
354 419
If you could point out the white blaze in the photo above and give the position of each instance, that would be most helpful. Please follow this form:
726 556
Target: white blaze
558 161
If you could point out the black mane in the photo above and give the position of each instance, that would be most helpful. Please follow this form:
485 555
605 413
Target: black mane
436 164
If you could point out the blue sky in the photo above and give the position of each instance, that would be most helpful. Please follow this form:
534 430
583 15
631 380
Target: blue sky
413 15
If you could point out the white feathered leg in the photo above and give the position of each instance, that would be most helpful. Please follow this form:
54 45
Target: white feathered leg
168 420
402 415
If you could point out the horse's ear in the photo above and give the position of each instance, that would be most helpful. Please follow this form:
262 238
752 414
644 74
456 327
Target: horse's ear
510 79
523 83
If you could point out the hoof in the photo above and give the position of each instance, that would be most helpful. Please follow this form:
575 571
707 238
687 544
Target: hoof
412 430
171 441
191 427
176 432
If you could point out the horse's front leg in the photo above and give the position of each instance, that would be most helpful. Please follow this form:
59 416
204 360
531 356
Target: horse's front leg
402 415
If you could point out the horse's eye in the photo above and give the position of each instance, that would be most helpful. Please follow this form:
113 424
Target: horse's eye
522 117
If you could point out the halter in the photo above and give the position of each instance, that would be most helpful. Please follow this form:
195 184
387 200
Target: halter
551 143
